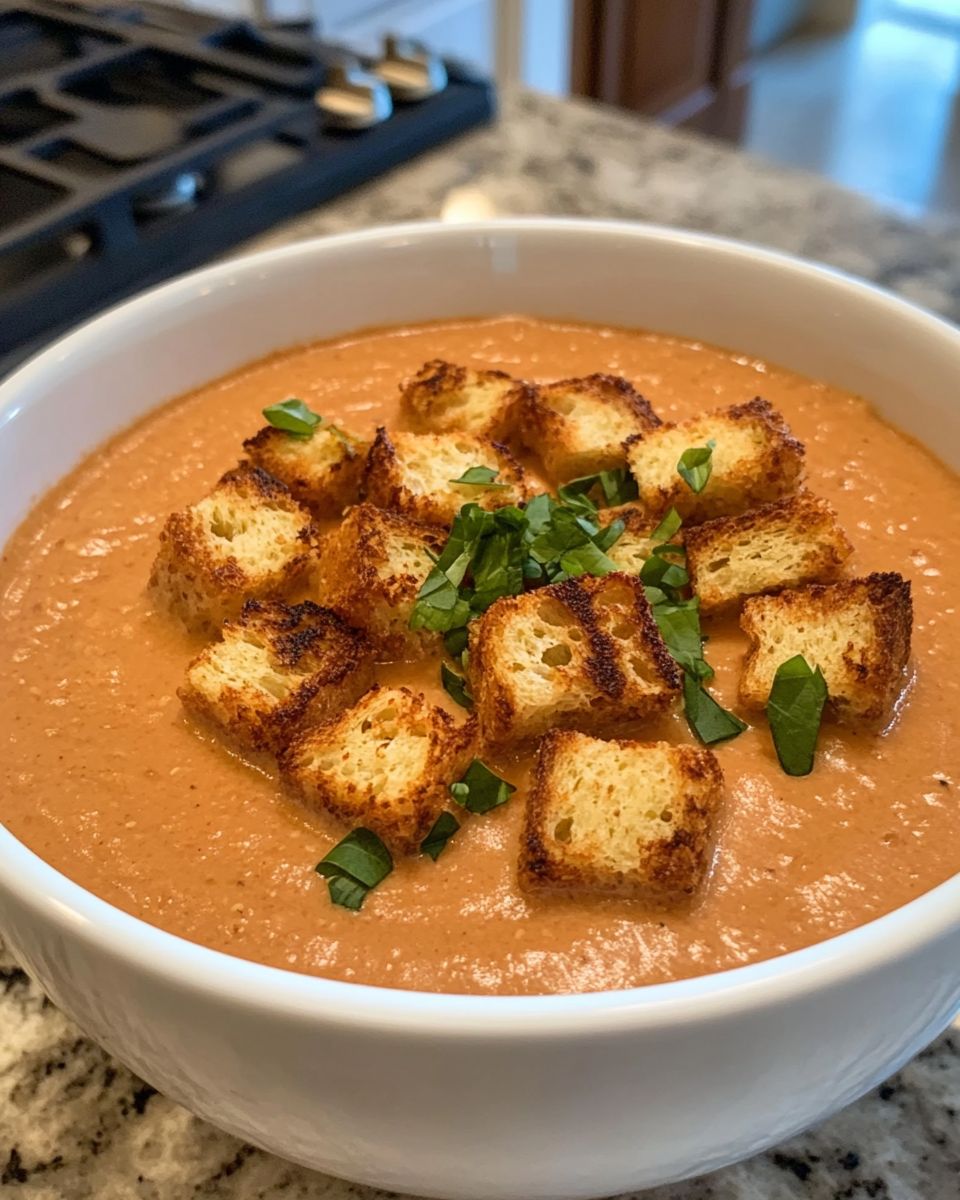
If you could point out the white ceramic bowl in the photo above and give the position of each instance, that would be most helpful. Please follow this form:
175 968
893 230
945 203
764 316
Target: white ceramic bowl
486 1097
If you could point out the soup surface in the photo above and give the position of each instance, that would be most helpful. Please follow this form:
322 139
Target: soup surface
104 776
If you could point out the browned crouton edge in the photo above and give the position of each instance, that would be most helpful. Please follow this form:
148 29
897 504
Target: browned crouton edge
665 867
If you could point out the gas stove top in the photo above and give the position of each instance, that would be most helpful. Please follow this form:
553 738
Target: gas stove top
137 141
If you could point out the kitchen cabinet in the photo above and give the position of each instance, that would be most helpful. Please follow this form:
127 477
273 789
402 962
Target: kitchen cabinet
684 62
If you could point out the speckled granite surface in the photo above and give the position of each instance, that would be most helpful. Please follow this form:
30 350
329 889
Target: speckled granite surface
76 1125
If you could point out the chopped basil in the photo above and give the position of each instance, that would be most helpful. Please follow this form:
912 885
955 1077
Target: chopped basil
539 512
668 527
347 892
498 562
696 465
354 867
794 711
480 789
439 605
659 572
444 827
655 596
709 720
679 625
615 486
500 553
293 417
567 542
481 477
456 686
609 535
455 641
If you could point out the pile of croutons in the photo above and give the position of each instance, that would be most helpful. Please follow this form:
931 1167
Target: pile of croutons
556 618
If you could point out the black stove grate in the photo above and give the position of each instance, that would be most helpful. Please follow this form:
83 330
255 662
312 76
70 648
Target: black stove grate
137 141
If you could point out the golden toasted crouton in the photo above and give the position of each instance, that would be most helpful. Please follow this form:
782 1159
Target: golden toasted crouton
412 473
793 541
277 668
386 764
857 632
632 548
755 460
579 426
370 569
248 539
633 818
322 471
445 398
584 654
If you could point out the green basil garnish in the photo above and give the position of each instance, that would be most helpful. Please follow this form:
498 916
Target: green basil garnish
609 535
710 721
293 417
668 527
678 620
679 625
615 487
456 686
696 465
501 553
455 641
480 790
354 867
444 827
794 710
481 477
659 572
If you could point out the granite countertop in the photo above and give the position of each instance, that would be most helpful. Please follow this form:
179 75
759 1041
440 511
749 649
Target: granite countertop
75 1125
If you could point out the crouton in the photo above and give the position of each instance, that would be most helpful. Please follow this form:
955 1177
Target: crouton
579 426
370 569
445 398
277 668
583 654
632 818
386 764
248 538
755 460
790 542
857 632
413 473
632 548
322 471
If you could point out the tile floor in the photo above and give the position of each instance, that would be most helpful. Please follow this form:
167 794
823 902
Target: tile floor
875 108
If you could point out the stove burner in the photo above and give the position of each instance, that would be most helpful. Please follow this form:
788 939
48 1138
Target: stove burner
138 140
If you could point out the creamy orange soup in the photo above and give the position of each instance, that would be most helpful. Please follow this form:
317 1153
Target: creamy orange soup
105 778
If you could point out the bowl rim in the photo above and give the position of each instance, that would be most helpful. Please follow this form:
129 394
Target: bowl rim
215 975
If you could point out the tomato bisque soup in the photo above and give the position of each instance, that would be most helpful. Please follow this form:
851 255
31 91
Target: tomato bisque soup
108 779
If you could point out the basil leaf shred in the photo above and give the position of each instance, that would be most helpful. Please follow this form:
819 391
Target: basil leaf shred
355 866
443 829
480 790
456 686
710 721
481 477
794 710
696 465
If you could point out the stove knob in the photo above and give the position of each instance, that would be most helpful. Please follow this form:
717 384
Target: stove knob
410 70
352 98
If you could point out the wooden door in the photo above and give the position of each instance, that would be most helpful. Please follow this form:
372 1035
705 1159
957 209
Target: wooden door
682 61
